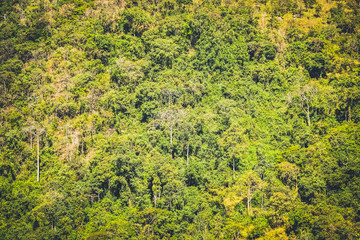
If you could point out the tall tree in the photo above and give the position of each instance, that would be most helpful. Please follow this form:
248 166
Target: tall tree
34 128
251 182
305 97
169 118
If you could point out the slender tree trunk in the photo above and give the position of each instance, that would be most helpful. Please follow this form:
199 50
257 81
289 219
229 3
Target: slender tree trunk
171 142
308 117
248 200
233 165
349 118
38 159
171 134
187 154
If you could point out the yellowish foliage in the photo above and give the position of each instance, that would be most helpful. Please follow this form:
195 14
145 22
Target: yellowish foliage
277 233
232 198
66 9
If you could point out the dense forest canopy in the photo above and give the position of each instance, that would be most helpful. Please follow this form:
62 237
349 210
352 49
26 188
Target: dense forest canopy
179 119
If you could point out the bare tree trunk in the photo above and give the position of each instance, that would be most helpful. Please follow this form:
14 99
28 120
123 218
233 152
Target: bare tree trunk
38 159
171 142
187 154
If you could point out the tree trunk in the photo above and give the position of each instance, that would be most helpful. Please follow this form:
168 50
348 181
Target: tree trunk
5 90
248 200
38 159
187 154
349 117
308 117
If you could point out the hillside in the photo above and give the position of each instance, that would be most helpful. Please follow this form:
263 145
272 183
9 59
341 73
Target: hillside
178 119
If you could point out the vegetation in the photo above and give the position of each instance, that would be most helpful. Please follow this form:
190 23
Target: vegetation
204 119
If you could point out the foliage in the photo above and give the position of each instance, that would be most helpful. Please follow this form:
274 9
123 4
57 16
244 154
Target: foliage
179 119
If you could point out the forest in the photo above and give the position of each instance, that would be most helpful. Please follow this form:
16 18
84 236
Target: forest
180 119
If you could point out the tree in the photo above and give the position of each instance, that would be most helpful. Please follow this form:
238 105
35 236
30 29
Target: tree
233 143
289 173
35 128
170 93
188 131
164 52
304 97
169 118
250 182
126 73
156 188
136 21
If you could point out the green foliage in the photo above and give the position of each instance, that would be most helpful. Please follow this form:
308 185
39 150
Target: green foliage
135 21
179 119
